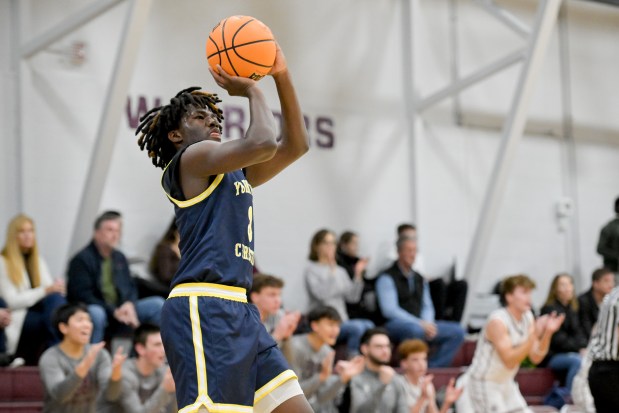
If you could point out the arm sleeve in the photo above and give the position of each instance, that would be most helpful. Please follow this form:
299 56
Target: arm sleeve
330 389
604 244
365 402
388 301
354 288
427 308
402 405
14 298
111 389
564 341
310 384
57 385
583 315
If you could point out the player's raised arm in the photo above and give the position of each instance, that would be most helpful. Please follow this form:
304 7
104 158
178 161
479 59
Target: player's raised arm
208 156
294 142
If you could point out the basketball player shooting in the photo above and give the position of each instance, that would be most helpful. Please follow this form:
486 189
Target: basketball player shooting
221 356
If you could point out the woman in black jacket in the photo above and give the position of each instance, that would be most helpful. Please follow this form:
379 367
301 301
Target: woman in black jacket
569 343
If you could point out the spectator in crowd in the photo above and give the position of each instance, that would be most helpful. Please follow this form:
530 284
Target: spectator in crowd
604 371
387 252
147 383
378 388
30 292
347 257
5 320
602 283
448 296
347 253
311 357
405 302
608 244
166 256
510 335
420 391
75 374
569 342
99 276
328 284
266 295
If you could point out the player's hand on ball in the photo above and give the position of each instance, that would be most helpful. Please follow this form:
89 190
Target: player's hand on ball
280 64
234 85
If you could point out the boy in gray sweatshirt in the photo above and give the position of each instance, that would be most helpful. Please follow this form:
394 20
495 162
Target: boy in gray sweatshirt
147 384
75 373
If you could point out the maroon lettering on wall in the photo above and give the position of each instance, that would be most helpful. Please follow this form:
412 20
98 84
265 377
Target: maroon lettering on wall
324 131
134 117
320 129
234 122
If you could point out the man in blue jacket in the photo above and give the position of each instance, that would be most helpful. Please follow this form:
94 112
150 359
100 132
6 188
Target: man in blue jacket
99 277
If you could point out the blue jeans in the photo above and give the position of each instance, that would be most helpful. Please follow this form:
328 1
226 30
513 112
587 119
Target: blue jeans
351 332
449 337
38 331
148 310
569 362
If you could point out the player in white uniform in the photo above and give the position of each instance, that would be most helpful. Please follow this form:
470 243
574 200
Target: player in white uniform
510 335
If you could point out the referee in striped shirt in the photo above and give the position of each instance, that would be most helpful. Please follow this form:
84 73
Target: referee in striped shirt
604 372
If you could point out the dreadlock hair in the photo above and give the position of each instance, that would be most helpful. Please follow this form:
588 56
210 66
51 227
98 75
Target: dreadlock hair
158 122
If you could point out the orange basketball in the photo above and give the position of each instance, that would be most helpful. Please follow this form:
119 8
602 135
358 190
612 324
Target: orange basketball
242 46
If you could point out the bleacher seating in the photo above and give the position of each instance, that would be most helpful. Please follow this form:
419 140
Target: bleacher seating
21 390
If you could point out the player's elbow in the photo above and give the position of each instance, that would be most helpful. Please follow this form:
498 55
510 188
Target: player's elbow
264 149
510 362
303 148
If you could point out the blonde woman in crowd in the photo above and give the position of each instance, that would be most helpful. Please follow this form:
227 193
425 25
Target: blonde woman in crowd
29 290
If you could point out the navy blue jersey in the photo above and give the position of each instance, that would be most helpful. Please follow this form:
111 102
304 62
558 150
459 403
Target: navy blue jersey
216 228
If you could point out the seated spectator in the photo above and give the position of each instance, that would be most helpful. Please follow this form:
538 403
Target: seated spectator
602 282
347 253
30 292
75 374
99 276
147 383
420 391
448 296
405 302
347 257
311 358
166 256
378 389
328 284
569 342
510 335
266 295
5 320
